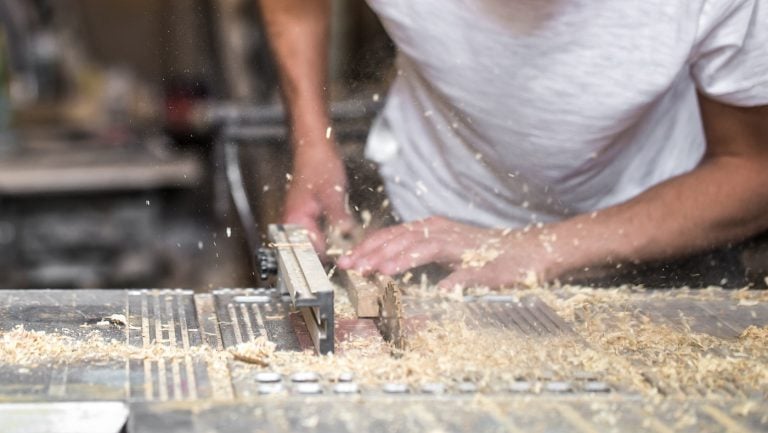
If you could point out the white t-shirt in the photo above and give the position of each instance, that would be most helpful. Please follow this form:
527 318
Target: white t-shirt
506 112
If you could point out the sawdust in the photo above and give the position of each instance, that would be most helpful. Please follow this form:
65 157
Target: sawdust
342 305
618 343
29 348
448 352
479 257
258 351
754 338
672 358
687 362
112 320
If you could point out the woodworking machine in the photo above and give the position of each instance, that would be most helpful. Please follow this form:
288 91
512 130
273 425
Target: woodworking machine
288 261
292 260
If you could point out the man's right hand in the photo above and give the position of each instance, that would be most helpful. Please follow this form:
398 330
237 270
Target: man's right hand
298 35
317 192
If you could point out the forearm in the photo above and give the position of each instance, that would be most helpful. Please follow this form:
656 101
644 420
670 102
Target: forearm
723 200
298 34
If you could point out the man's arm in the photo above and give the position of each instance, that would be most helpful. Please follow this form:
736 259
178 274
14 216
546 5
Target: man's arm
725 199
298 34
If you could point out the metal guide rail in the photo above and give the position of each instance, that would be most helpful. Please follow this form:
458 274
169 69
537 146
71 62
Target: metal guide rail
300 274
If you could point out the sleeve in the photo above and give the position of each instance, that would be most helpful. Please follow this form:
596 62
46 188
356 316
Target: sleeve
729 61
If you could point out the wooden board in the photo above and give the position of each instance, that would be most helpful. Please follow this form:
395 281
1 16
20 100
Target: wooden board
364 293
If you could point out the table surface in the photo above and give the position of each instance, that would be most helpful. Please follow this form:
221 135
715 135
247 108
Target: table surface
191 395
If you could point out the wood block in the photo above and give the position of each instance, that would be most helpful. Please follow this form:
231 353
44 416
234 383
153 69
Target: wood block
364 292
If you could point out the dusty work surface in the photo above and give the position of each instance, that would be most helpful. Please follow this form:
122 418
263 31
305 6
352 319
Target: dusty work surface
539 360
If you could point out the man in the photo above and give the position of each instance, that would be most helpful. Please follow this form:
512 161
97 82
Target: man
550 135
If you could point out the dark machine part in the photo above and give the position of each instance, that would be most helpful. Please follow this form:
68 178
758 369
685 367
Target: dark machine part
267 263
249 122
236 186
15 22
32 45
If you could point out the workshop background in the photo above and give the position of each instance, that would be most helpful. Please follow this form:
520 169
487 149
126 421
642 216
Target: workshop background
112 168
115 119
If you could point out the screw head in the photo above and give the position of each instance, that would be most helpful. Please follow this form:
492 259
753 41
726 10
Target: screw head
305 376
346 376
395 388
558 386
595 386
520 386
270 388
268 377
433 388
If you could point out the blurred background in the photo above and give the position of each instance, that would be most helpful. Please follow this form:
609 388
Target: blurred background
125 124
122 121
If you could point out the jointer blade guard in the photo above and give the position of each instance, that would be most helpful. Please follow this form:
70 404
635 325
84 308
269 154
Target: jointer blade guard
292 259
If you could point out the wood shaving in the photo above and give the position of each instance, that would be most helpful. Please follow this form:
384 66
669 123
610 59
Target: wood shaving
623 346
448 351
114 319
744 409
258 351
28 348
673 359
342 306
478 258
366 217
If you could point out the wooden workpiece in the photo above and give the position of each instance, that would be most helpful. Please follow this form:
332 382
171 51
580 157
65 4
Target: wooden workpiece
364 292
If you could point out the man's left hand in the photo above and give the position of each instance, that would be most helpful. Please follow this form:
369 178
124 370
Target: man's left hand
480 257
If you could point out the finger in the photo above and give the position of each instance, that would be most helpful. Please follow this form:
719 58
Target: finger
458 280
484 277
309 223
411 249
398 256
384 238
417 255
402 247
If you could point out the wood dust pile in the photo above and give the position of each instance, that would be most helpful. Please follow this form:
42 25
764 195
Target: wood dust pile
671 359
449 352
31 348
258 351
619 344
27 348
